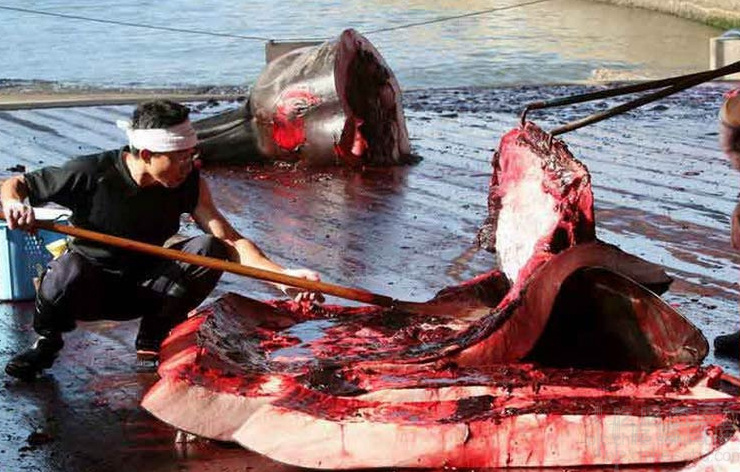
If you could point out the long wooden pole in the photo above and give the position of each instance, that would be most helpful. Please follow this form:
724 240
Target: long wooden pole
348 293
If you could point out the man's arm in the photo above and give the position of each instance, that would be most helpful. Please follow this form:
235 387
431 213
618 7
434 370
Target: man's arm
14 199
241 249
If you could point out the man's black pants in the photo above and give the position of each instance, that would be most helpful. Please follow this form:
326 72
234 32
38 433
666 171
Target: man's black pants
73 288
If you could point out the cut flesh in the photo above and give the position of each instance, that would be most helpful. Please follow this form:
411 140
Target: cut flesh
314 387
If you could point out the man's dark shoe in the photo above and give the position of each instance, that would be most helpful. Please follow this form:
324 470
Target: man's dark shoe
28 364
146 361
728 345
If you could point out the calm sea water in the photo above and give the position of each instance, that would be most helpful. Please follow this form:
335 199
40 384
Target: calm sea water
556 41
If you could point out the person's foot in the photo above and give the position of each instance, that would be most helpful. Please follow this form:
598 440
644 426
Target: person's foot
29 364
728 345
147 361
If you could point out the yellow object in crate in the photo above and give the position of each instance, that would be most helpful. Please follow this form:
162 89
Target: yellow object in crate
57 248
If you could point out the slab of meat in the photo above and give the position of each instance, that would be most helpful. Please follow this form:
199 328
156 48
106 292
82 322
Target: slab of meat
612 423
316 387
540 201
723 459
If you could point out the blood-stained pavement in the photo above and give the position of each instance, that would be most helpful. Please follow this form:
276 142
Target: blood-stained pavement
662 188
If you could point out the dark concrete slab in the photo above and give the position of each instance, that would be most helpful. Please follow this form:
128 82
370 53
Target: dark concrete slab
663 191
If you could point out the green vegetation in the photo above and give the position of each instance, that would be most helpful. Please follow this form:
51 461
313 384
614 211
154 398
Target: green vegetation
720 22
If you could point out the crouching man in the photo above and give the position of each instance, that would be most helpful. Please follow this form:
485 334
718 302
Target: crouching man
138 192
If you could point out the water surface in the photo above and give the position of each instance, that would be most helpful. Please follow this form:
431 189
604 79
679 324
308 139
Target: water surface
554 41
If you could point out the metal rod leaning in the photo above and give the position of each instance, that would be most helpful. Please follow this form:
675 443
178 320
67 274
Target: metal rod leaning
672 85
614 92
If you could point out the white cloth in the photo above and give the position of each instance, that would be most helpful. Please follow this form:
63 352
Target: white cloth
174 138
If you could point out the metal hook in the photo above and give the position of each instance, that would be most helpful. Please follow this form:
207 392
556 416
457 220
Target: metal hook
524 116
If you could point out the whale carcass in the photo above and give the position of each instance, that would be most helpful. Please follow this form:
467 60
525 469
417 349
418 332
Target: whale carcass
565 357
337 103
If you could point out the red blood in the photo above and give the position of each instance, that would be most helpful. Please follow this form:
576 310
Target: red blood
315 387
288 127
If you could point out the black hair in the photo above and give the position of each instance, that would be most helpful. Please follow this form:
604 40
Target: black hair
159 114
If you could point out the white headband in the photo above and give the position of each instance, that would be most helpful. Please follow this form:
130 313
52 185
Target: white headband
174 138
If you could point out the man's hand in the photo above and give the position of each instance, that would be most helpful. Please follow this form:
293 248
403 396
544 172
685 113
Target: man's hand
18 214
300 295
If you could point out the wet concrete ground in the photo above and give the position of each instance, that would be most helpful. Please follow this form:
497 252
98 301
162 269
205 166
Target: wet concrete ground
663 191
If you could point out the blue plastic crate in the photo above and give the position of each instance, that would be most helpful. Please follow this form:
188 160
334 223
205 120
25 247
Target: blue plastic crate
23 257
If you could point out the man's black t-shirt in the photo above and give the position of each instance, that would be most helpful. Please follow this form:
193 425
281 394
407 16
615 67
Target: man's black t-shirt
103 197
